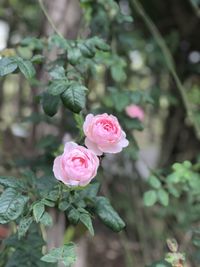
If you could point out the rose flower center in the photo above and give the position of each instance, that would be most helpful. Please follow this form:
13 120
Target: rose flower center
79 162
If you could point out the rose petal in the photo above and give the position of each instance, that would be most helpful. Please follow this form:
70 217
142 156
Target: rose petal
57 168
72 183
87 122
134 111
124 142
111 149
104 134
76 166
92 146
69 146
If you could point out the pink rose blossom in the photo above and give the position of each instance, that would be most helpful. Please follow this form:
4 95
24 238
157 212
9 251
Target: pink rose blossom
104 134
77 166
135 111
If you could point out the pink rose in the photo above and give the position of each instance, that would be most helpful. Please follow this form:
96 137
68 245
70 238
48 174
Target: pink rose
104 134
77 166
135 111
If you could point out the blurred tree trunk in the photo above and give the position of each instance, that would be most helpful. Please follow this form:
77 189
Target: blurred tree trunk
65 15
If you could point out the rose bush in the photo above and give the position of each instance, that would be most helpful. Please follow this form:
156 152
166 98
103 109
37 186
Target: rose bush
104 134
100 63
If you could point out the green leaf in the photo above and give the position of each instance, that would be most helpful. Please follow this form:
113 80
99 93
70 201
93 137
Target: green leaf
172 190
133 124
108 215
161 264
65 254
24 225
101 45
64 204
57 87
12 204
53 195
74 54
87 221
11 182
37 59
73 216
196 241
57 73
187 164
7 65
27 251
118 70
118 73
46 219
33 43
38 210
26 67
50 103
59 42
150 198
173 258
74 97
154 182
90 191
24 52
173 178
120 100
48 203
163 197
97 43
86 51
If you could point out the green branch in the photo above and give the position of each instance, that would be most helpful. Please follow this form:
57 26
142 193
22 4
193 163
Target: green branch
49 18
195 8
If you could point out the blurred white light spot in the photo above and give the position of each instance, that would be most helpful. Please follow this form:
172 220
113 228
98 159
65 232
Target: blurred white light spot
15 38
67 138
124 7
194 57
19 130
136 59
4 31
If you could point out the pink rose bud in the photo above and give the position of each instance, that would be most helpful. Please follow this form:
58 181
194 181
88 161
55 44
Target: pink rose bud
135 111
104 134
77 166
